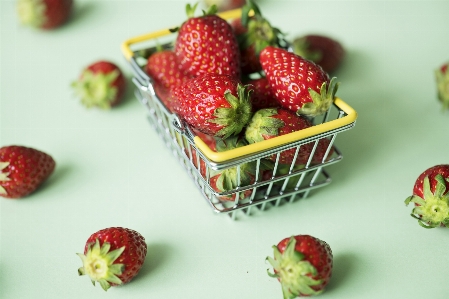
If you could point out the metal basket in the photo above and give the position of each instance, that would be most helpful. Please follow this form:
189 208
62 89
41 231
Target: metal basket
269 188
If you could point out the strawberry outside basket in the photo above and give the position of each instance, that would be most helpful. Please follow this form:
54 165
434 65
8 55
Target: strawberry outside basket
266 191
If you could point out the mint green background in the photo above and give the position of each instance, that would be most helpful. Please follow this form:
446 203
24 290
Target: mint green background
112 170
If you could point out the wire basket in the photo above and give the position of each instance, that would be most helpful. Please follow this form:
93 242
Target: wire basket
271 186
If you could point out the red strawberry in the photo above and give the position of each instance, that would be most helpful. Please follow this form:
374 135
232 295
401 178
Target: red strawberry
262 95
223 5
207 44
45 14
320 151
431 197
302 264
214 104
272 122
442 78
113 256
22 170
299 84
323 50
101 84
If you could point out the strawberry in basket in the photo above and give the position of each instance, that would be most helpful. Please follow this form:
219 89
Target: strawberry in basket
207 44
298 84
431 197
442 78
262 95
44 14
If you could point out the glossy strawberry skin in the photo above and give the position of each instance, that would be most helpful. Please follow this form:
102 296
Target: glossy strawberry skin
262 95
431 172
164 69
291 76
135 251
26 169
55 12
207 44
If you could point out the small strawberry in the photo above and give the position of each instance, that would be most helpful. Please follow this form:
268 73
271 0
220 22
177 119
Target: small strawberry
302 264
101 84
262 96
431 197
442 78
299 84
45 14
323 50
113 256
214 104
207 44
22 170
272 122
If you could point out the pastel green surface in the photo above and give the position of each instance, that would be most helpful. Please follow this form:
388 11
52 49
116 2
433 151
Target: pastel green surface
112 170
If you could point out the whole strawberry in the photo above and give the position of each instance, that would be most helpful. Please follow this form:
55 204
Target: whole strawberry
272 122
207 44
44 14
217 105
22 170
323 50
298 84
113 256
262 96
431 197
442 78
102 84
302 264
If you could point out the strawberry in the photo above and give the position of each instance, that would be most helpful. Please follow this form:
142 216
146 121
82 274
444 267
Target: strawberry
207 44
431 197
217 105
262 95
302 264
101 84
299 84
323 50
44 14
442 78
113 256
254 34
272 122
22 170
320 151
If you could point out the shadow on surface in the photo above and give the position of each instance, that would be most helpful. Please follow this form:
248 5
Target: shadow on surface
343 270
157 255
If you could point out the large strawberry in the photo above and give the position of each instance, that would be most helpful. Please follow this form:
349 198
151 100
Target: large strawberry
102 84
207 44
302 264
431 197
22 170
272 122
45 14
214 104
323 50
299 84
113 256
262 96
442 78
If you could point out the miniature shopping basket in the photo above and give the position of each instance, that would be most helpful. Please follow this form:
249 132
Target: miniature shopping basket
270 188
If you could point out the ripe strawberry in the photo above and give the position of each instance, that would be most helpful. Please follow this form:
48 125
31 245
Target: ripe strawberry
113 256
272 122
431 197
302 264
22 170
207 44
442 78
45 14
101 84
214 104
262 95
320 151
299 84
254 34
323 50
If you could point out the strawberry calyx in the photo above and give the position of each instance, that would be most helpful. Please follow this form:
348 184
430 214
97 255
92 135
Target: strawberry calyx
293 272
96 89
190 12
31 12
442 78
432 210
4 176
320 101
233 119
263 124
98 264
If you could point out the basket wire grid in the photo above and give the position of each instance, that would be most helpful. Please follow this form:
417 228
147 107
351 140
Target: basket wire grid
269 188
